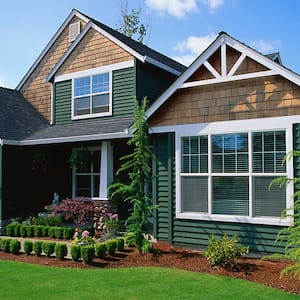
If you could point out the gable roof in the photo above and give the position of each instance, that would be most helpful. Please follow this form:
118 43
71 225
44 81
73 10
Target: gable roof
221 41
140 51
18 118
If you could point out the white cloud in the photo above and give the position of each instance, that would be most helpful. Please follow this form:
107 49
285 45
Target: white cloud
264 46
192 47
176 8
213 4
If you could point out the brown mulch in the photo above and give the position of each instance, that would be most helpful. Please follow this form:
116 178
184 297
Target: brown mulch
265 272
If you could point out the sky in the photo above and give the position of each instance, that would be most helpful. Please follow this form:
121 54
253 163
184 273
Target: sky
181 29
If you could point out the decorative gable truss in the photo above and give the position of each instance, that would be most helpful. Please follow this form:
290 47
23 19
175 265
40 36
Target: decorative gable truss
225 60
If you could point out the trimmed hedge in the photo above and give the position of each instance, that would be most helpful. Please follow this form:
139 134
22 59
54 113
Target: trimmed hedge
58 232
61 250
45 230
23 232
4 245
87 254
28 247
111 246
68 233
14 246
37 230
76 252
120 244
48 248
37 248
100 250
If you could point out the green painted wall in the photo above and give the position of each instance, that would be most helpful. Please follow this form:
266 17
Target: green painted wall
151 81
193 233
123 93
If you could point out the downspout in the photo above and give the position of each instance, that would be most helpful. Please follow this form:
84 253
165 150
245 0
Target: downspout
1 146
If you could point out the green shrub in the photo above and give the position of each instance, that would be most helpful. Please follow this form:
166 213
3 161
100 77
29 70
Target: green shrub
87 254
111 246
10 229
45 230
23 231
14 246
223 252
4 245
37 248
28 247
76 252
48 248
100 250
61 250
120 244
48 221
68 233
29 230
58 232
37 230
51 232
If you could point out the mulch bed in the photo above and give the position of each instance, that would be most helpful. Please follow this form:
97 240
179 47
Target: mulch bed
265 272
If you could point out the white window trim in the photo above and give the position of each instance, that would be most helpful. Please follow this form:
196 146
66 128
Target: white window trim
106 170
271 124
91 115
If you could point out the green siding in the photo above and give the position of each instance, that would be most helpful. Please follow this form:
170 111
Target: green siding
151 81
194 233
123 92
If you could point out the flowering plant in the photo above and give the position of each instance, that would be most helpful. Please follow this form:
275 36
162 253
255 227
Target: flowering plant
83 237
112 220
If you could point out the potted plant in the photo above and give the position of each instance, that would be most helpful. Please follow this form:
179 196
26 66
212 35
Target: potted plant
112 224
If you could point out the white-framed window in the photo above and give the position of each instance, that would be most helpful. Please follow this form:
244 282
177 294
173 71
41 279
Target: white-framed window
92 96
91 181
223 170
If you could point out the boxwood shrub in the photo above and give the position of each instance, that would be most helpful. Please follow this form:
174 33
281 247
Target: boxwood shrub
120 244
51 232
10 229
61 250
23 231
100 250
28 247
15 246
58 232
87 254
29 230
4 245
37 248
76 252
68 233
48 248
45 230
111 246
37 230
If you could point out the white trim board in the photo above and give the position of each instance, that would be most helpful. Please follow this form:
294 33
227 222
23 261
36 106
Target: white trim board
222 40
73 13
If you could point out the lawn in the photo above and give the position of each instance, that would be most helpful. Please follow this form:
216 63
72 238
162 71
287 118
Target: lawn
25 281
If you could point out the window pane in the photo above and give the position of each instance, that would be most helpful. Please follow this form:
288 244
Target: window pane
96 161
229 163
280 141
217 143
257 163
268 203
194 145
269 141
203 145
101 103
217 163
280 166
203 163
81 106
82 86
195 164
242 163
185 145
257 141
100 83
96 181
83 186
269 163
194 194
185 168
230 196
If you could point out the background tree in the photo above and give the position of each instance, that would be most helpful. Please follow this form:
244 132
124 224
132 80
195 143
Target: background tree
131 24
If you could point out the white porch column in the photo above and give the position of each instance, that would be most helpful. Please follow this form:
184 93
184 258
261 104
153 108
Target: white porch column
106 169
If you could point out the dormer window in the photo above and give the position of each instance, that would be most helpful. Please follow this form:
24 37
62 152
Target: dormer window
91 96
74 31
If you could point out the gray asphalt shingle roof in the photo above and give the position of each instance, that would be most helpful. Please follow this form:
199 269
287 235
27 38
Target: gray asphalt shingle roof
18 118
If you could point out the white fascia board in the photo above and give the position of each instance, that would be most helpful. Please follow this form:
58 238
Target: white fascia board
119 43
181 79
260 58
10 142
73 13
82 138
68 52
1 142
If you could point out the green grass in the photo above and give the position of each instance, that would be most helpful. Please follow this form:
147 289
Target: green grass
25 281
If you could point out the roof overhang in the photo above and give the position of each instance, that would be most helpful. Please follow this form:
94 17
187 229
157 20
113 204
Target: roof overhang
223 39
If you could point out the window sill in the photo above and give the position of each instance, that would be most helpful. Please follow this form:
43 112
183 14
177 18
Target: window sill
82 117
277 221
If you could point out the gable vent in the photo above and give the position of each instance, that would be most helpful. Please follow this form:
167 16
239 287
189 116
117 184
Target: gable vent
74 30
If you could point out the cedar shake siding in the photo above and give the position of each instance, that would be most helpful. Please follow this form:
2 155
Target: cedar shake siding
36 90
94 50
246 99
